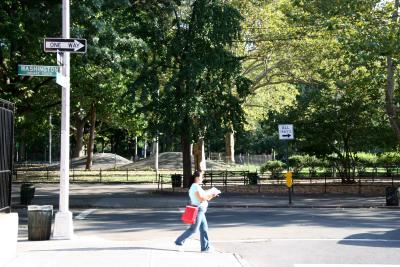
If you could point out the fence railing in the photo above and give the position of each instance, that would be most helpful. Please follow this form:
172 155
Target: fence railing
242 158
225 179
6 152
49 175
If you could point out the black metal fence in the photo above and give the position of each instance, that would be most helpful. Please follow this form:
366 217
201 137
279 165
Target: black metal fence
6 153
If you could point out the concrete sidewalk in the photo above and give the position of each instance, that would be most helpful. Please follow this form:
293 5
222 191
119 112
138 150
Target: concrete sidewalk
88 252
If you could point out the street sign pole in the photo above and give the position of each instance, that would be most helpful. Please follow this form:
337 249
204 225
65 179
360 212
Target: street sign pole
63 227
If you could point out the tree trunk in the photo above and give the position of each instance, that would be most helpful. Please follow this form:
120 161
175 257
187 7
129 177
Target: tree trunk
391 108
230 147
90 146
80 127
145 148
186 159
136 149
199 155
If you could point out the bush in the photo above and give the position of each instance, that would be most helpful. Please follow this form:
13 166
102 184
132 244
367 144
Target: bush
275 167
389 159
364 160
297 163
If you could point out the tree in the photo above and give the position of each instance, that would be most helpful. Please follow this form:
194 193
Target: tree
201 88
369 32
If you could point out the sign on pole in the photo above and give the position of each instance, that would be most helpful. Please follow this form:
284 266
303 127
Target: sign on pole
61 80
71 45
289 179
286 132
38 70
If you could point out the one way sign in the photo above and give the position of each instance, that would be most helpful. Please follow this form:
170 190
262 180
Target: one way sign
65 45
286 132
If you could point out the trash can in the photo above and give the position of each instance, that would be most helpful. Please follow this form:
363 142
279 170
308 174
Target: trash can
253 178
392 198
39 222
176 180
27 193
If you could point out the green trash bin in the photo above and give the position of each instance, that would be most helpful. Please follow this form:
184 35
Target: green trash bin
253 178
392 198
176 180
27 193
39 222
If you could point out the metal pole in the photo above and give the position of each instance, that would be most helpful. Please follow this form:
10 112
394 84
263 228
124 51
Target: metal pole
50 136
63 228
156 143
156 158
136 149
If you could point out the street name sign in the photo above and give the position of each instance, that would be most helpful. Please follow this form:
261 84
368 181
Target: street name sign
72 45
37 70
286 132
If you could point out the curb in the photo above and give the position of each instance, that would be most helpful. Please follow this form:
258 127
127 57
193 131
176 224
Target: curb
244 206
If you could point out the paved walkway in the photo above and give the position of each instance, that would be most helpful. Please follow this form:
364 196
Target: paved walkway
87 252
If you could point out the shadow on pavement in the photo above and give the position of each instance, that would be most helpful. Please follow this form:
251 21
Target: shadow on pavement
390 239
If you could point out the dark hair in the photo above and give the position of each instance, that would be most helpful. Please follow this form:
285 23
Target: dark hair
193 177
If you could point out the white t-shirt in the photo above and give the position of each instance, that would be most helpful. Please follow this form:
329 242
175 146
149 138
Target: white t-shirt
193 199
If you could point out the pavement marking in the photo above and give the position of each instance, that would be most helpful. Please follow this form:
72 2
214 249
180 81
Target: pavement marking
305 239
344 265
84 214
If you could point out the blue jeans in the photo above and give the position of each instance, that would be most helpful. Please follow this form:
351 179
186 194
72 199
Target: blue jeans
200 224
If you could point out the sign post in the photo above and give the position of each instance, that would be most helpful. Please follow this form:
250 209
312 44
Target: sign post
65 44
37 70
63 227
289 184
286 133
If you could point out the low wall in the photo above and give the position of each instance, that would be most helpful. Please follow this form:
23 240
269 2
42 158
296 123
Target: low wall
312 189
8 236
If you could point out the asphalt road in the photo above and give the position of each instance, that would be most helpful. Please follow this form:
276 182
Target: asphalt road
264 237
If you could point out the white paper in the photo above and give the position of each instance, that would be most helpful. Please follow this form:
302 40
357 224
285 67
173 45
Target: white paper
214 191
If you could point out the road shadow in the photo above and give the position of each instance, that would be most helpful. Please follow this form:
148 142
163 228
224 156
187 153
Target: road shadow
389 239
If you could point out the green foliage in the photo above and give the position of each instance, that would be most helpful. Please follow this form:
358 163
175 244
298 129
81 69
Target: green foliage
366 160
389 159
275 167
297 162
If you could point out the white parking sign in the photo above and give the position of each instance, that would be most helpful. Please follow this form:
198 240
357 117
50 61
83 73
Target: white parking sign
286 132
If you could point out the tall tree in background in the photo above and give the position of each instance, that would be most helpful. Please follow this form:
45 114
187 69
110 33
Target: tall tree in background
369 31
203 88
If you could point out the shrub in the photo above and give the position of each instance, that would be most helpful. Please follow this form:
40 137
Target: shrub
297 162
275 167
389 159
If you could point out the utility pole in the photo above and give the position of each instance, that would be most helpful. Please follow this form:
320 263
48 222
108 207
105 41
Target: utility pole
157 139
63 227
50 139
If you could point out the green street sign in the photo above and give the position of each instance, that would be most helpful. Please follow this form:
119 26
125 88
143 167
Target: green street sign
37 70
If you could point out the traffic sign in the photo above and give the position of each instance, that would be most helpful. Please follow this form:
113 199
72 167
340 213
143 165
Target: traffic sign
65 45
289 179
37 70
286 132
